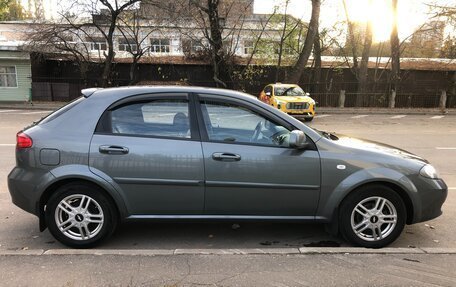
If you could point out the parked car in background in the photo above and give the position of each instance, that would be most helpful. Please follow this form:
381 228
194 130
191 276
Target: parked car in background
188 153
289 98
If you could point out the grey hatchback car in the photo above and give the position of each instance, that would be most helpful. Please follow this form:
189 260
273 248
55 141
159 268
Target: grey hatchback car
191 153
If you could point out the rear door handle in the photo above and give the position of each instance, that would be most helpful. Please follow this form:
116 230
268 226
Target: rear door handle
113 149
225 156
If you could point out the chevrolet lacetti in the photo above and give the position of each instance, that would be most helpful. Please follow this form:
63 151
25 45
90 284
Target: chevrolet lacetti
190 153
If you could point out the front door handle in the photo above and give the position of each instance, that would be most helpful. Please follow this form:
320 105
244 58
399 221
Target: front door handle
225 156
113 149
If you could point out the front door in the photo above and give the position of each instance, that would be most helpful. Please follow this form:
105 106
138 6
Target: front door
148 148
249 167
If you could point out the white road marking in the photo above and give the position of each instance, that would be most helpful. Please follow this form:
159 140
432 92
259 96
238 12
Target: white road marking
452 188
359 116
398 117
7 111
322 116
437 117
446 148
7 144
32 113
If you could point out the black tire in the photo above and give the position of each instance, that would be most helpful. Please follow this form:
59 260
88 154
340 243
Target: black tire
370 194
99 206
308 119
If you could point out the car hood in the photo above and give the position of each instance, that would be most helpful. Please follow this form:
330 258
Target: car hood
294 99
375 147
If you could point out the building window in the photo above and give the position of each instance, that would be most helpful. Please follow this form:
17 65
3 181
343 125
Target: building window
128 45
160 45
248 47
97 44
197 46
8 78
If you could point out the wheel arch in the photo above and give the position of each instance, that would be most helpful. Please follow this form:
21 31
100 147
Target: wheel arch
395 187
105 187
329 209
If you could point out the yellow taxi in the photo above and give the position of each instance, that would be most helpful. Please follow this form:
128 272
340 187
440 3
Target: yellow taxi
290 99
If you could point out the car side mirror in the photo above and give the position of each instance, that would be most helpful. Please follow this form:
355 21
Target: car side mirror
268 94
298 140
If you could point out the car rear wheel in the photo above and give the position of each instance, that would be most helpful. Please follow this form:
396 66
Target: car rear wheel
80 215
373 216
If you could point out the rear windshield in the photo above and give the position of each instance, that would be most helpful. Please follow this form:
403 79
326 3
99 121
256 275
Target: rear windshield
60 111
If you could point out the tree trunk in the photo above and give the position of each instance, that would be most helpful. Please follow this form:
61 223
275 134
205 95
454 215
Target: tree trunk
106 76
317 68
395 51
351 34
134 71
216 41
363 68
300 65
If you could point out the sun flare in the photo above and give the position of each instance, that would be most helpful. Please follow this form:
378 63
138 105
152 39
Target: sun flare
378 12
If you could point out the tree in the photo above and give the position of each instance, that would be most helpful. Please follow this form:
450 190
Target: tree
363 67
104 21
287 31
133 41
11 10
304 54
449 48
395 55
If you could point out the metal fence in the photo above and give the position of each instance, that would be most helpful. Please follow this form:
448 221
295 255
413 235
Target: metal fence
426 98
381 100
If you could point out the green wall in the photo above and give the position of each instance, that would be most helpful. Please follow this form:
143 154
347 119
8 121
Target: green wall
23 76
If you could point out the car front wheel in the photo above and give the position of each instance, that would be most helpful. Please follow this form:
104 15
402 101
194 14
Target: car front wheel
372 216
79 215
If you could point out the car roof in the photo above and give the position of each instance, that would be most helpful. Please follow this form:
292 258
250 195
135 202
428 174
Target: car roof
284 85
120 92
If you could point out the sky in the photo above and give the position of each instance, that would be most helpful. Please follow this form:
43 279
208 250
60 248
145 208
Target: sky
411 13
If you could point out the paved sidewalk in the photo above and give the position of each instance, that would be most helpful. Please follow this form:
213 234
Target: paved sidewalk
230 270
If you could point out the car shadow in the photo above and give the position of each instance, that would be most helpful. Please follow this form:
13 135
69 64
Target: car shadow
226 235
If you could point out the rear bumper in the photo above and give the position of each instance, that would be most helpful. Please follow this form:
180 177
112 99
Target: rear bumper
26 189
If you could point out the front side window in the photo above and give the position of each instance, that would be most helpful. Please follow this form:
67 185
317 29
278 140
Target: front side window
163 118
237 124
160 45
8 78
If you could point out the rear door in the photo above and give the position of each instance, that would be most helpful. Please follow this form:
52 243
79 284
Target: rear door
250 169
150 148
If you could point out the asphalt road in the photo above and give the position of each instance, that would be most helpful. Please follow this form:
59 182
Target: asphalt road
433 137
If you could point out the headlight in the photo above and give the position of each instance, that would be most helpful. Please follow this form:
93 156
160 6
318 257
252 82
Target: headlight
429 171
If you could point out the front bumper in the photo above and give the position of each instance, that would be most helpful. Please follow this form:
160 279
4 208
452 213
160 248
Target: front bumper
432 193
309 112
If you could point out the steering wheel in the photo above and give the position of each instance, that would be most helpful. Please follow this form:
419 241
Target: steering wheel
280 137
257 131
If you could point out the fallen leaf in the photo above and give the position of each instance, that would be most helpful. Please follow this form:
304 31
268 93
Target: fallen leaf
235 226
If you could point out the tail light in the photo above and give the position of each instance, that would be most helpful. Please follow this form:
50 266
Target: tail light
23 140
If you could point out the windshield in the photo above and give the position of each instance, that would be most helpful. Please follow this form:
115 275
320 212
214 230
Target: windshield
291 91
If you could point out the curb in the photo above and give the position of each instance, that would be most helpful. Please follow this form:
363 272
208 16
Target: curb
250 251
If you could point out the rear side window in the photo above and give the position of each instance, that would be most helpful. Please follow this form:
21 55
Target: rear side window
61 111
163 118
